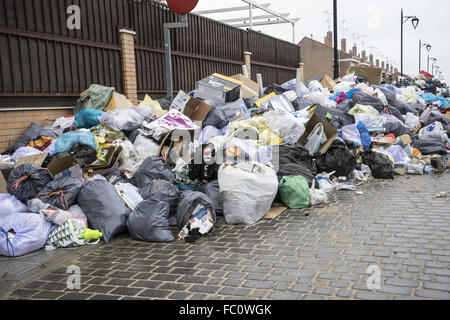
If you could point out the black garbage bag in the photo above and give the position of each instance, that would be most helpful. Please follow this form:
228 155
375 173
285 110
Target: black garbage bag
132 135
216 118
61 193
346 105
403 107
187 207
153 168
431 147
394 111
381 166
367 100
339 118
32 133
27 180
212 190
294 169
397 129
118 176
296 154
148 222
163 191
165 103
338 158
390 95
274 88
104 208
84 154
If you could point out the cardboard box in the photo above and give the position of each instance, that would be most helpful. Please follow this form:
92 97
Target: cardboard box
196 110
406 139
373 75
112 159
329 130
192 108
60 165
249 88
3 181
328 83
218 88
440 163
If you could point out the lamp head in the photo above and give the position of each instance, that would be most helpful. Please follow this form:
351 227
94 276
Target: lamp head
415 22
428 46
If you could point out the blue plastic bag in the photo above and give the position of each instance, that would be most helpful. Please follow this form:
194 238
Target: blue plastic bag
67 140
87 118
365 136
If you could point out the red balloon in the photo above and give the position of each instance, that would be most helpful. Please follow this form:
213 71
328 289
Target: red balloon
182 6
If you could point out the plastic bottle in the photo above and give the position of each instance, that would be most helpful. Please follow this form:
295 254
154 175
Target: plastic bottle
415 169
88 234
428 169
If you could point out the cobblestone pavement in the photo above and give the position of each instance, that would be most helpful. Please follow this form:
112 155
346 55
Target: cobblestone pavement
399 225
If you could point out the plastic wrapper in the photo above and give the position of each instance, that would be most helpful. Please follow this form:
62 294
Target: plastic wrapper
55 215
145 147
61 124
238 186
288 127
23 233
129 194
317 197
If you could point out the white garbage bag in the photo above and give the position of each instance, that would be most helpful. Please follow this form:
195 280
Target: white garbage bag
248 191
433 132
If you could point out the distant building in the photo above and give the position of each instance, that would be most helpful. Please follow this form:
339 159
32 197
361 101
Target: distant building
318 58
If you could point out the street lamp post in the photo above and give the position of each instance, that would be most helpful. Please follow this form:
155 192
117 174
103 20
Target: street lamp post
428 46
415 23
336 52
433 60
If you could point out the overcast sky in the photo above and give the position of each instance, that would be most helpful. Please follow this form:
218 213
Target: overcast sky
378 20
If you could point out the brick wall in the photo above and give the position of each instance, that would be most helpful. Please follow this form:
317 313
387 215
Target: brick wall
14 123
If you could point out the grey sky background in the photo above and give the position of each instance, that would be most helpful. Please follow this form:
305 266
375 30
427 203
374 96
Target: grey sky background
379 20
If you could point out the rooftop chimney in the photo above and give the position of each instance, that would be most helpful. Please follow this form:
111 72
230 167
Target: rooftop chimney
364 56
387 67
377 63
329 39
371 60
382 65
344 45
355 50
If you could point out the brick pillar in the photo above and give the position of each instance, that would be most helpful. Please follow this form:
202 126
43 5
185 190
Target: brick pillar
248 62
371 60
129 64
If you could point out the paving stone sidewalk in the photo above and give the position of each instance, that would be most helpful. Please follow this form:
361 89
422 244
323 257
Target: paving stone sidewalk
398 225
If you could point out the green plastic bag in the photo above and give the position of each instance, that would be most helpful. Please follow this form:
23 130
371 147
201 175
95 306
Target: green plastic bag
294 192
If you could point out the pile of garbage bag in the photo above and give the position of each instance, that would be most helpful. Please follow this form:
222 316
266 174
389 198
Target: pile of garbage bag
164 170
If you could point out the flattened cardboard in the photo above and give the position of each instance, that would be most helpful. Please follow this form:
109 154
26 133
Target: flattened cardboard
36 160
274 213
373 75
118 101
406 139
329 130
264 99
328 83
2 183
249 88
384 142
112 159
447 115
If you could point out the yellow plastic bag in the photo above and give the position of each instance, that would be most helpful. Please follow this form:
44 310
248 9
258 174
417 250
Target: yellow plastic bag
159 112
